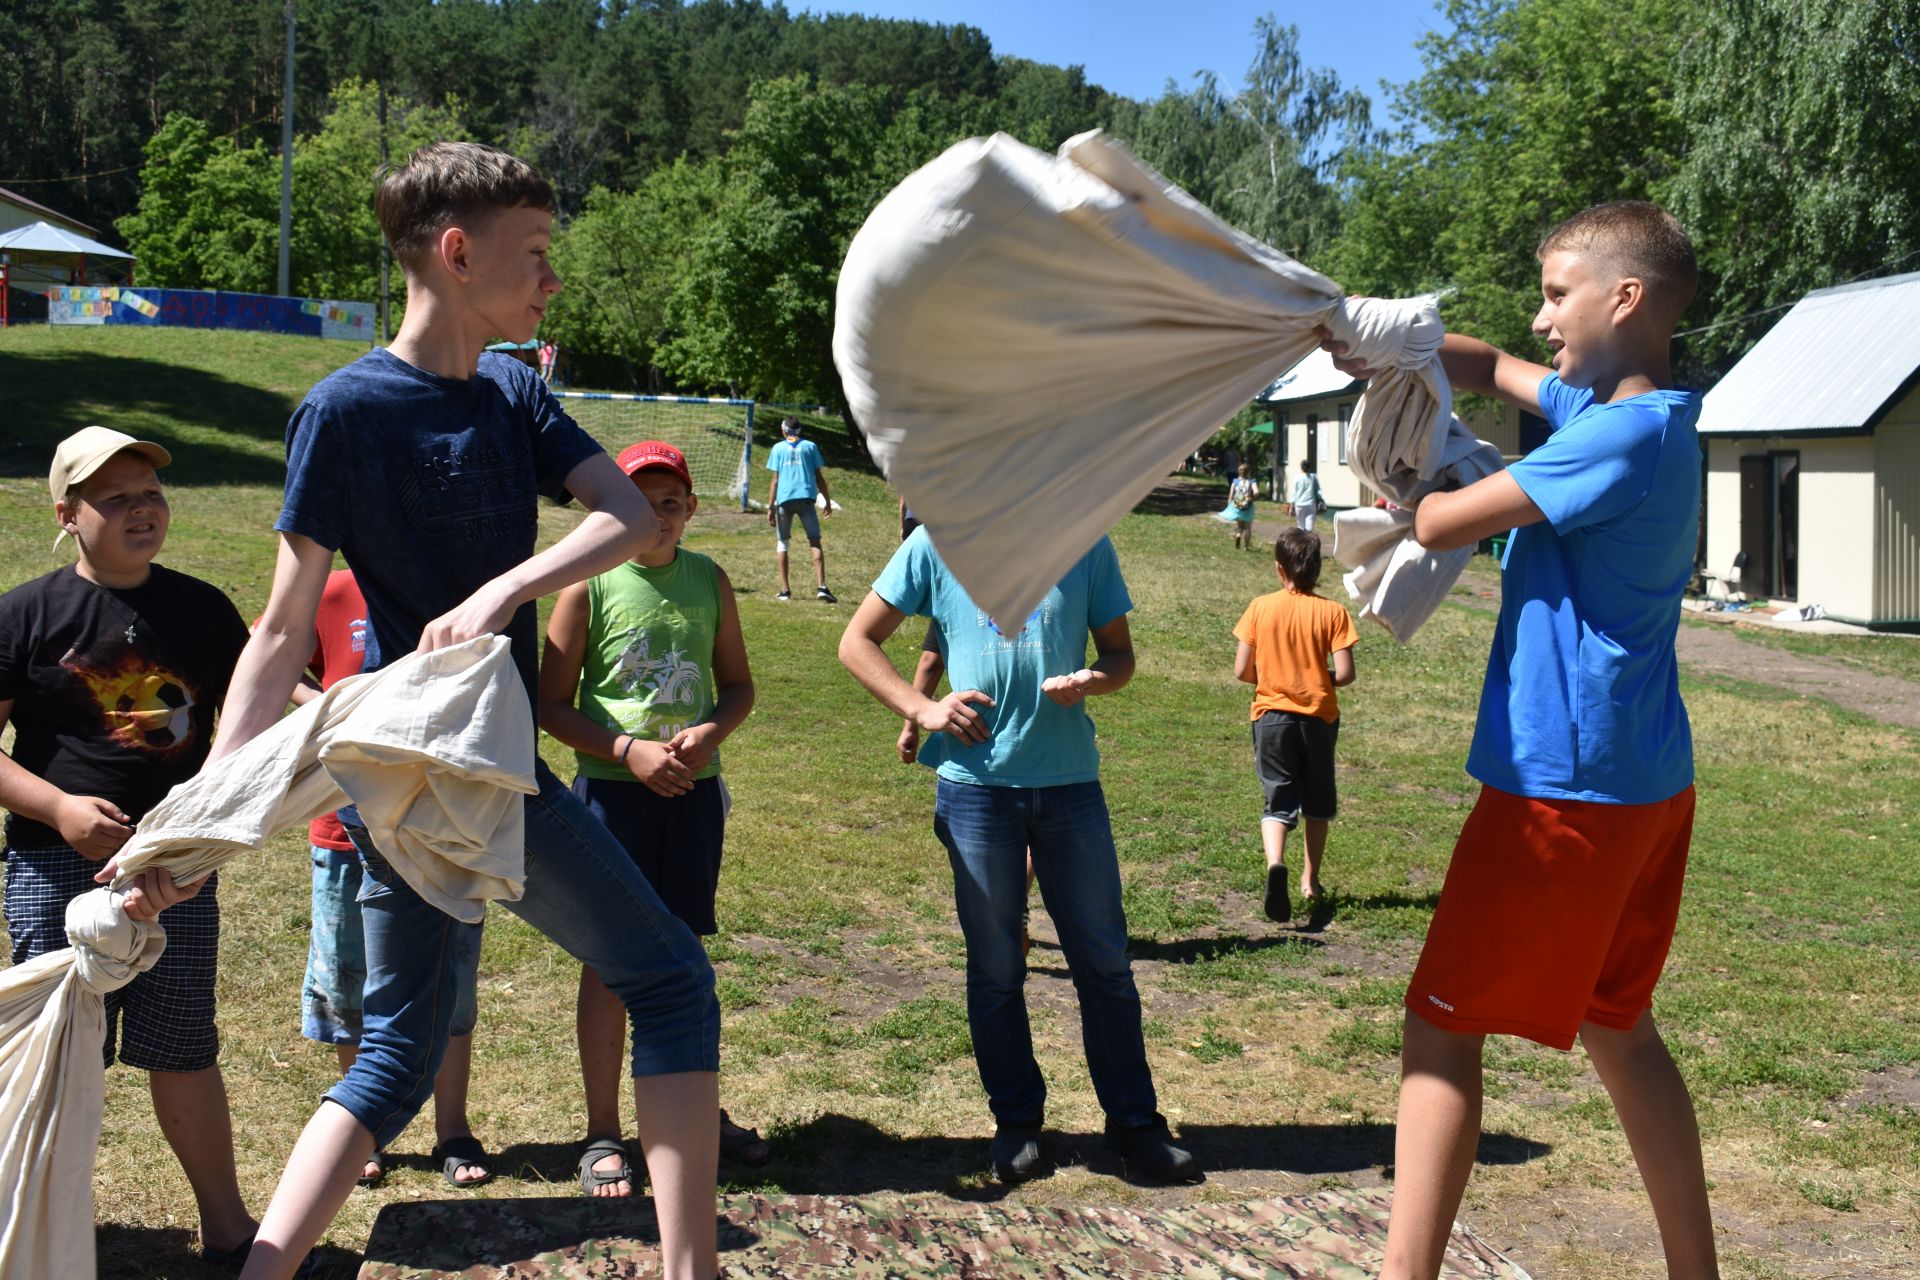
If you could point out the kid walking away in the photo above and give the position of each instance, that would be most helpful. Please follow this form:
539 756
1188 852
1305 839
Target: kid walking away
1287 639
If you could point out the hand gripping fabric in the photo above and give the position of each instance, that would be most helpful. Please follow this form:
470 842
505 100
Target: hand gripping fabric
1032 342
437 753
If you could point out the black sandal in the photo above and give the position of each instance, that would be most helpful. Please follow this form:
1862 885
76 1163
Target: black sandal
464 1151
592 1179
379 1161
738 1142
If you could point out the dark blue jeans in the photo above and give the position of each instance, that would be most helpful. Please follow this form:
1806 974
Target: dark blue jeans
584 892
987 832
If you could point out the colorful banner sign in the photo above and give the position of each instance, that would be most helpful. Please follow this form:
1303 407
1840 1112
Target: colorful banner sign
199 309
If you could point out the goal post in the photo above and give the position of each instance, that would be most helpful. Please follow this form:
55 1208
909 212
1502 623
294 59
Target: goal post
715 435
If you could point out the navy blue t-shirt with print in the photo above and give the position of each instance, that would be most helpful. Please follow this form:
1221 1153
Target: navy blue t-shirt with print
429 486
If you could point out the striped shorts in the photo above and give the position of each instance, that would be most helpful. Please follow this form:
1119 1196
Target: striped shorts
163 1019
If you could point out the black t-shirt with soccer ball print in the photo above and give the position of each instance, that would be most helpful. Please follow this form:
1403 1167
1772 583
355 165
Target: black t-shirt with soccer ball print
114 691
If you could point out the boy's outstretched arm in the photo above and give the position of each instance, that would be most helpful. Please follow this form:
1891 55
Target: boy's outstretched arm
620 524
860 652
1472 365
1486 370
1451 519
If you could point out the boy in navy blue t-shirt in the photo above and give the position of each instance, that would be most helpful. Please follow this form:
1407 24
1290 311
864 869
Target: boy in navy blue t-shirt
423 464
1560 902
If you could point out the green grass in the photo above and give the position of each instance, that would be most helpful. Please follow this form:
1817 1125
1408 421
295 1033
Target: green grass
1793 976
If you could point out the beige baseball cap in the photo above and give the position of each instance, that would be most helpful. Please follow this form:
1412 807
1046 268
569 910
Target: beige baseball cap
86 450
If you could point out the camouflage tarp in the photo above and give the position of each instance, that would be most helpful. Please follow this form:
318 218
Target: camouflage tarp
1330 1235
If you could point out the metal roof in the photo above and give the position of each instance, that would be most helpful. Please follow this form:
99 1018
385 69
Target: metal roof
44 237
15 198
1835 363
1311 379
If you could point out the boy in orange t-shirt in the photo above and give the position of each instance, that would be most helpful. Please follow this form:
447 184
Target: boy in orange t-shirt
1286 639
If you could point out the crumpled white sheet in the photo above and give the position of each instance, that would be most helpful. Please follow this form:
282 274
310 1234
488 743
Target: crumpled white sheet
437 752
1031 343
1397 582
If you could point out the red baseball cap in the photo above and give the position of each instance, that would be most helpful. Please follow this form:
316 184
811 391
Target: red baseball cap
654 455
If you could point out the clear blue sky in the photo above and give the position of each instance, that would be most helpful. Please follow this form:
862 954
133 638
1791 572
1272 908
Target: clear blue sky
1132 47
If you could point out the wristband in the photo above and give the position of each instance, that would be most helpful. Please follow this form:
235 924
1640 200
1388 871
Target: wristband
621 759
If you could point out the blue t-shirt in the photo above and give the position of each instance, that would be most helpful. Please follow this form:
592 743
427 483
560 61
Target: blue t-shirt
429 486
1032 741
1582 699
798 462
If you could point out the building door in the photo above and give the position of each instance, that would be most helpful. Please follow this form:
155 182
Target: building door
1313 440
1770 524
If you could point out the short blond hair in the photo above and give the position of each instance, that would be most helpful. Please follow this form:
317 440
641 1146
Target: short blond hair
444 184
1633 238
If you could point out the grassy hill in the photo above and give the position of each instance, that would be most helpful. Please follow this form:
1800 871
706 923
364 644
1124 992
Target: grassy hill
1790 995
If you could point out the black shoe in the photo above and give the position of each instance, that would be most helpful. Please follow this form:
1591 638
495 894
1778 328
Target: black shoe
1279 904
1015 1153
1150 1154
824 596
784 596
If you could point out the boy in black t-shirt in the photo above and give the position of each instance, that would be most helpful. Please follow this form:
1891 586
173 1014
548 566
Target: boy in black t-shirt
111 670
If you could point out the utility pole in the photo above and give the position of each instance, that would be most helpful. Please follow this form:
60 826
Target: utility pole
386 257
286 164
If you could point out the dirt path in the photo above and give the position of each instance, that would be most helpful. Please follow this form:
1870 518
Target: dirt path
1721 651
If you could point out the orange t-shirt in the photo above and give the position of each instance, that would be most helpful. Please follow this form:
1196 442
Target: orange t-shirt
1291 634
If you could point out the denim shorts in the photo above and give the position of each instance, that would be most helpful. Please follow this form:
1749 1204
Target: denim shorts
163 1019
334 989
582 891
809 520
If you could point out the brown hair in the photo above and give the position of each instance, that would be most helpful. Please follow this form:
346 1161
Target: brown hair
1297 552
448 183
1633 238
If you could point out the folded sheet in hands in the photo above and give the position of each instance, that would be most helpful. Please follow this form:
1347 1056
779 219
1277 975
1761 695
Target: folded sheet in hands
437 752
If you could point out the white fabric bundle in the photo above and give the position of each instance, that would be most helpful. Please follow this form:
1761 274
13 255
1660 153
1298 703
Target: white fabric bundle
1397 582
437 753
1032 342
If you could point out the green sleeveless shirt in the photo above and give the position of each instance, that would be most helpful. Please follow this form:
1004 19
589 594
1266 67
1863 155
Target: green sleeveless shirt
648 668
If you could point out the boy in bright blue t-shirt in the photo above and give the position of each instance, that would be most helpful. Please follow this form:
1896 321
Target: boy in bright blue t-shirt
1560 902
1018 769
799 481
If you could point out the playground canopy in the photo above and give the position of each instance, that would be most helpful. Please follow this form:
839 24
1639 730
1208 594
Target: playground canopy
40 254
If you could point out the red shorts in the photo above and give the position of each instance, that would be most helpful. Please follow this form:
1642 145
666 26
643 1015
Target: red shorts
1554 913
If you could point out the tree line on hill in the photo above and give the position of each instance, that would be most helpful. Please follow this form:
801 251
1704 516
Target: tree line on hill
712 159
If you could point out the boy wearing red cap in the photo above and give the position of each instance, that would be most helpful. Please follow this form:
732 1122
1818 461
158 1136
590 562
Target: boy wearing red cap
645 674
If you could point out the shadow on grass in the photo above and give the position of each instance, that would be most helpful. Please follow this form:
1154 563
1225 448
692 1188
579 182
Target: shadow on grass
1205 950
844 1156
139 1253
1183 496
45 405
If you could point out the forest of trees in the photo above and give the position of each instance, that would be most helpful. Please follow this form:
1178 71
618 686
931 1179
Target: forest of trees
712 159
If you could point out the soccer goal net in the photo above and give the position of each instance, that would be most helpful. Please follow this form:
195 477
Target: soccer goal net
715 435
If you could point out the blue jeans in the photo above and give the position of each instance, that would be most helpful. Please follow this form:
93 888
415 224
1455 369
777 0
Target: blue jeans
582 891
987 832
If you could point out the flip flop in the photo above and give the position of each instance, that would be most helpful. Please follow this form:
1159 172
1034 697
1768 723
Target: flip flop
379 1161
463 1150
738 1142
597 1149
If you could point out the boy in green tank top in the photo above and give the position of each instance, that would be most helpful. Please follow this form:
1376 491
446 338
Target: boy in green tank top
645 673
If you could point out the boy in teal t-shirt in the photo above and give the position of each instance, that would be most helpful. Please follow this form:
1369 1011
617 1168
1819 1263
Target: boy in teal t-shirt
653 653
1014 749
799 480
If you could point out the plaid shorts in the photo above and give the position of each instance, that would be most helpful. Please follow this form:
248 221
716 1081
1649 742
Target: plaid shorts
163 1019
